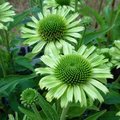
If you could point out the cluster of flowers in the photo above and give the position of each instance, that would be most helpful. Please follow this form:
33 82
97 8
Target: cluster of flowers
70 75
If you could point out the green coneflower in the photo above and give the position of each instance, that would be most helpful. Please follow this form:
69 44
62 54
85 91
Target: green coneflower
6 14
55 27
74 76
56 3
29 97
115 53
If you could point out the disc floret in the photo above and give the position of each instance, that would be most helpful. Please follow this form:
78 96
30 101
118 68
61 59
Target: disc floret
52 28
73 69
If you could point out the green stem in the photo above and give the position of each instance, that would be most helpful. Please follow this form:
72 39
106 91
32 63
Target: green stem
64 112
99 10
76 5
7 41
2 67
80 42
38 116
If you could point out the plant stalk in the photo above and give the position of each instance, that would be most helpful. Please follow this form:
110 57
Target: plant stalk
64 112
99 10
38 116
76 5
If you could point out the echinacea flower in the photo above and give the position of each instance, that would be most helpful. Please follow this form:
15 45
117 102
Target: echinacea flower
6 14
29 97
56 3
56 27
115 53
74 76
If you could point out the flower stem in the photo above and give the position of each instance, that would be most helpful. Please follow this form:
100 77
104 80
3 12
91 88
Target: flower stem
76 5
64 112
2 67
38 116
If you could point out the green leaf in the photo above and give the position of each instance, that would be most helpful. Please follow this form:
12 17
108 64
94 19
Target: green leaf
25 62
88 11
96 115
75 111
93 35
28 113
50 113
9 83
113 97
20 17
110 115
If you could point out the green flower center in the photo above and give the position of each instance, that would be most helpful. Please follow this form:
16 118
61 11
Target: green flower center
52 28
73 69
28 97
63 2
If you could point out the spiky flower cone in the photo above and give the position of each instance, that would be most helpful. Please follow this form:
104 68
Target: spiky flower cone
75 76
29 97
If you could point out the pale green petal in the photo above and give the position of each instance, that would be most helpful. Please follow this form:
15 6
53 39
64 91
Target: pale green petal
38 47
1 26
31 41
73 17
98 95
103 75
82 49
6 19
63 11
31 24
49 95
60 91
83 96
48 61
88 91
58 45
71 39
54 11
101 70
45 70
64 100
77 94
93 57
117 44
99 85
34 19
75 35
52 51
70 93
98 61
53 84
49 82
89 51
27 30
30 36
76 29
73 24
67 48
4 5
40 15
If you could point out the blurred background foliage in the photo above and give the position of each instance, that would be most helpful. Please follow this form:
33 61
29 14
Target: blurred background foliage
17 64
